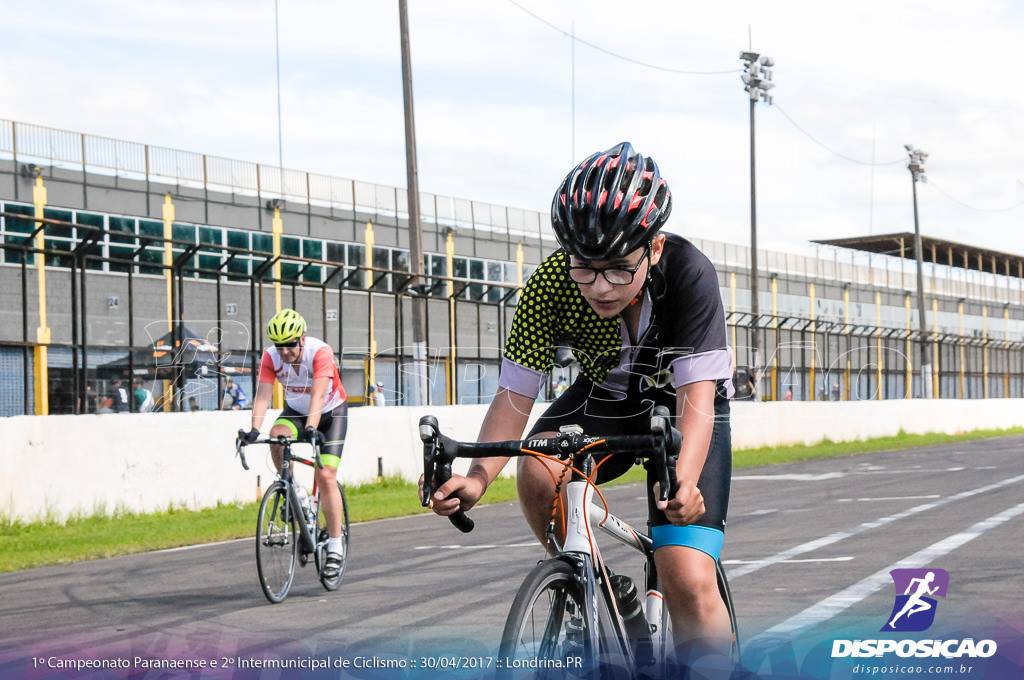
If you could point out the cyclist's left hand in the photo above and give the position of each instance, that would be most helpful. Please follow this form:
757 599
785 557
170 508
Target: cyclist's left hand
686 507
312 435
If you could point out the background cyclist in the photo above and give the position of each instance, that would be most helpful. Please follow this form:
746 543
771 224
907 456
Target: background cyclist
643 314
314 406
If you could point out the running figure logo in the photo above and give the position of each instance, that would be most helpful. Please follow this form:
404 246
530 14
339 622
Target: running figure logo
914 610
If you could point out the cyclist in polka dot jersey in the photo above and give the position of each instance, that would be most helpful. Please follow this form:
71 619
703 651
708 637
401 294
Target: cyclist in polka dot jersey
643 315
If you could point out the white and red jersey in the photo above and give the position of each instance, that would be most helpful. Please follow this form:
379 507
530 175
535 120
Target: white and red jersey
317 362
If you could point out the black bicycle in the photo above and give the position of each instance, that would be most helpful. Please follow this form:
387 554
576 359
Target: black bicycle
572 615
290 528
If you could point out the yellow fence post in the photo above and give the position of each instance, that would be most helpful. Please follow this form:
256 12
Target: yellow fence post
849 343
276 230
775 325
732 294
879 372
449 250
168 217
1006 370
963 395
42 377
910 355
984 352
368 239
935 349
814 343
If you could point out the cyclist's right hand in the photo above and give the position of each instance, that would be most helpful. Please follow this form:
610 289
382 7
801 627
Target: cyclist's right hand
458 493
250 436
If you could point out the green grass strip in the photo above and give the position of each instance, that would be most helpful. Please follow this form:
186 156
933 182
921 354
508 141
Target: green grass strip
24 545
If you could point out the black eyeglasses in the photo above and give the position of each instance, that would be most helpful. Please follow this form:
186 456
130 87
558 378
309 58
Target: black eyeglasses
617 276
287 345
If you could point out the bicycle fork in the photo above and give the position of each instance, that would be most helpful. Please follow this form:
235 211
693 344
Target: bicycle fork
306 542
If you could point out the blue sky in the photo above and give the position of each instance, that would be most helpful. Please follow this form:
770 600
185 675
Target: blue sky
506 102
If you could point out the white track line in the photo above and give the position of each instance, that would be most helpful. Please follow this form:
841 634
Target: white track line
830 606
840 535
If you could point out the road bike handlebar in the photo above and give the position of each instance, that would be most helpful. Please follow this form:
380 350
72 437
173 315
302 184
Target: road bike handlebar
661 446
282 440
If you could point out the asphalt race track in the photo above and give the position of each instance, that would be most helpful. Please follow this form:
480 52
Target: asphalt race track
808 551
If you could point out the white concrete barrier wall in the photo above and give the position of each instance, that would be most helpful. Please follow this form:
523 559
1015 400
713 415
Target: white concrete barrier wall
61 466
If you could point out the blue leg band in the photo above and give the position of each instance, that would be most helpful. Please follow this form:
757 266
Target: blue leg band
705 539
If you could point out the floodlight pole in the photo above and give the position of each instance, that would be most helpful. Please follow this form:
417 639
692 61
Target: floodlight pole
917 174
419 327
757 82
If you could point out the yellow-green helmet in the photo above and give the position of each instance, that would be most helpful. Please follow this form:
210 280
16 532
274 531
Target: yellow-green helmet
286 326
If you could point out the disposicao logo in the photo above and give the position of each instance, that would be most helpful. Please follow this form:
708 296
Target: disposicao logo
914 609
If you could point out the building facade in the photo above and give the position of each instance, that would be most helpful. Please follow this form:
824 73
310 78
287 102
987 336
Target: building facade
125 260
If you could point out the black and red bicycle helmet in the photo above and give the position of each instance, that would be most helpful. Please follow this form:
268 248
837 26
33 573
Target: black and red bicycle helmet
610 204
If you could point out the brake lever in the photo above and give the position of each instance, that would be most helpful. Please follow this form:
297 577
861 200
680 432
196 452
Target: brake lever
667 439
240 449
441 472
428 435
318 444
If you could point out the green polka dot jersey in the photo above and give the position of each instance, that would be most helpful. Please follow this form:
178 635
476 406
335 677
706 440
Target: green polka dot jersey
551 310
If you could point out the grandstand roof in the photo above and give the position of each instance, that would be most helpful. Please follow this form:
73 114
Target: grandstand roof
936 250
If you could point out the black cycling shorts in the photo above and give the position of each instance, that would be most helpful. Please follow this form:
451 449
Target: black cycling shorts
596 411
333 426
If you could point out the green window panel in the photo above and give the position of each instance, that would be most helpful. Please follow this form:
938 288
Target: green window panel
151 255
313 274
183 232
312 249
17 225
381 260
336 252
59 230
289 271
211 236
238 239
121 230
356 255
151 228
238 269
291 246
122 252
210 264
63 245
262 243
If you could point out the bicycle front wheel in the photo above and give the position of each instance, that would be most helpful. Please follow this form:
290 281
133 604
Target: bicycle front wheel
321 542
547 630
276 543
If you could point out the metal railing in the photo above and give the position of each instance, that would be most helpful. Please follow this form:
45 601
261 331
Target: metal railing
467 322
26 143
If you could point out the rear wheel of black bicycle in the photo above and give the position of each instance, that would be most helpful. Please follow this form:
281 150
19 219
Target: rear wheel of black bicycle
321 542
547 631
723 589
276 543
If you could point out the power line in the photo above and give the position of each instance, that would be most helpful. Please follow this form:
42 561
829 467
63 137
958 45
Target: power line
988 210
836 153
573 37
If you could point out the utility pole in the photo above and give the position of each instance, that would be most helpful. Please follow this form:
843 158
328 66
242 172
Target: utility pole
917 174
757 81
419 326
